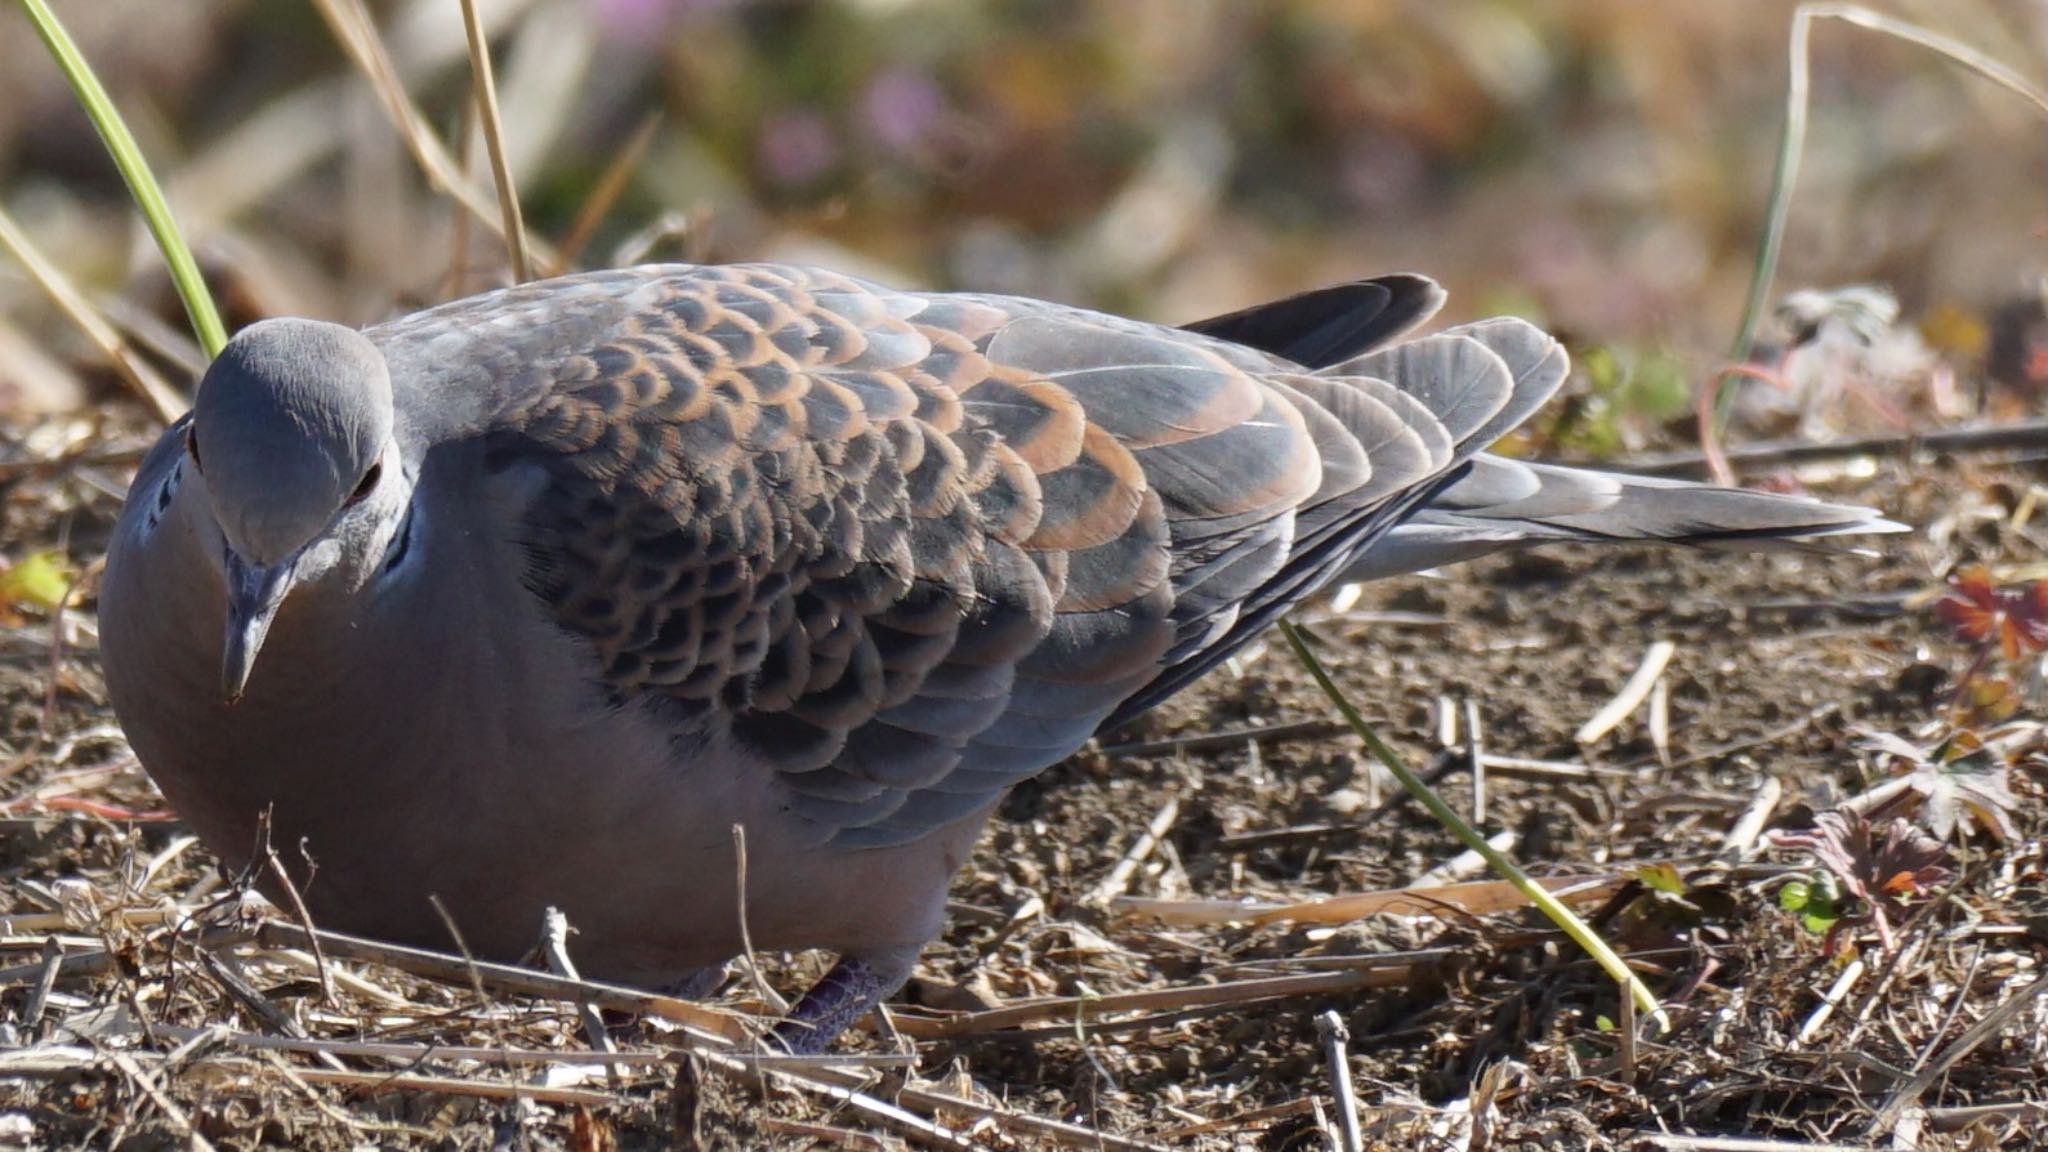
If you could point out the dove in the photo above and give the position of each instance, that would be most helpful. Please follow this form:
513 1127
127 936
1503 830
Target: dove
530 599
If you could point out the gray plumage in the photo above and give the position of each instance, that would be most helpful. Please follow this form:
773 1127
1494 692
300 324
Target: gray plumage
553 586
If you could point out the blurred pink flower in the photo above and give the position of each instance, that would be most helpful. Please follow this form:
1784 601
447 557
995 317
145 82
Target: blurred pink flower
796 147
641 20
903 108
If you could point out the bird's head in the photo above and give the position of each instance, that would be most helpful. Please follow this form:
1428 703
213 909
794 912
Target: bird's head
292 437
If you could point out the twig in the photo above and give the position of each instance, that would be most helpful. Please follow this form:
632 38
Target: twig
1660 720
1119 879
1908 1094
452 1086
1445 763
1475 759
1056 1131
140 325
1630 697
47 1060
1285 1111
1955 1006
470 970
1517 766
46 979
291 1076
291 892
829 1135
164 1104
903 1120
494 141
1527 768
555 943
35 468
1582 934
1782 732
1229 739
351 24
421 1053
1792 138
1475 898
1741 838
1008 926
1466 865
1336 1038
1971 1115
774 1002
98 962
1707 411
1676 1143
1066 1008
1836 993
46 725
1626 1028
2020 434
706 1020
243 991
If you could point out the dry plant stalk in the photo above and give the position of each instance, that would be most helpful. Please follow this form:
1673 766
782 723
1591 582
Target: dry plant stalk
486 84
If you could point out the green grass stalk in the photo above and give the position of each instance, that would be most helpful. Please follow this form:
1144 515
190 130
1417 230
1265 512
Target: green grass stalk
1580 932
142 185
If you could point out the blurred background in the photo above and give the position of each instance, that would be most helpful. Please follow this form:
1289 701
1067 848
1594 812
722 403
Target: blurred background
1601 166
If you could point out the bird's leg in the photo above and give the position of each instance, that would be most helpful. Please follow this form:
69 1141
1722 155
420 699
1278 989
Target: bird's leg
841 996
696 985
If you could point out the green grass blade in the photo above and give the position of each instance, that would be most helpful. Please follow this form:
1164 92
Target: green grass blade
1580 932
135 170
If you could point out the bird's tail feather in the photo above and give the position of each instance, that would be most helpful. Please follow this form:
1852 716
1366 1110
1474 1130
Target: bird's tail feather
1500 504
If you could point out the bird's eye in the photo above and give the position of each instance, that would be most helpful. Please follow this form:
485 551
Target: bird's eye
369 482
192 448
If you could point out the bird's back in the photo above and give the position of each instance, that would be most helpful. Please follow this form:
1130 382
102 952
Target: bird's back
912 548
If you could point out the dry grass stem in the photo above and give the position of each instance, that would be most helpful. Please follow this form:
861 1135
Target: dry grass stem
1475 759
1465 865
1631 696
298 908
606 192
1472 1023
555 945
161 398
1119 879
1211 996
143 1080
1337 1058
1672 1142
486 95
352 26
714 1023
1997 1020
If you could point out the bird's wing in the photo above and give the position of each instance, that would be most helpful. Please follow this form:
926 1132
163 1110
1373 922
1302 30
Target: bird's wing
915 548
1327 326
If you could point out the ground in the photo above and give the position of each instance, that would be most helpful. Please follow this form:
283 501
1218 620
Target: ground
1602 167
1466 1029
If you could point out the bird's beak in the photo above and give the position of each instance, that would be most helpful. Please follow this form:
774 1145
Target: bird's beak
254 595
